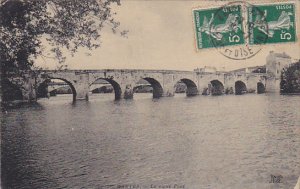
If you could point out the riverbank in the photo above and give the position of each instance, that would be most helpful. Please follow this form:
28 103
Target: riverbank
5 105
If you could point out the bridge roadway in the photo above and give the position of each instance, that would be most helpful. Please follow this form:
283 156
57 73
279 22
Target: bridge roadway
162 82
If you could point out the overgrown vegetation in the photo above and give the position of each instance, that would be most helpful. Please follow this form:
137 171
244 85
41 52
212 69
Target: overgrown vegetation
64 24
290 79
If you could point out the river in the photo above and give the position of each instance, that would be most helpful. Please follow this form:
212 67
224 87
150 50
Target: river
197 142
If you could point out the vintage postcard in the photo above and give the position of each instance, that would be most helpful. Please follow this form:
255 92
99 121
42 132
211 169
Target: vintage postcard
150 94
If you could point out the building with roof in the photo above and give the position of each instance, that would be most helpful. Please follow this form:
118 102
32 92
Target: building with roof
275 62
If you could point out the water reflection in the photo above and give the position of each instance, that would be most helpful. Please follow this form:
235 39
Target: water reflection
211 141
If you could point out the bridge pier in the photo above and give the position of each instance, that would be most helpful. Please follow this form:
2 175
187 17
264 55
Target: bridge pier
205 85
168 85
28 92
128 91
82 87
82 95
168 89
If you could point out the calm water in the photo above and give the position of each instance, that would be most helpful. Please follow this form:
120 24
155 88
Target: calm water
200 142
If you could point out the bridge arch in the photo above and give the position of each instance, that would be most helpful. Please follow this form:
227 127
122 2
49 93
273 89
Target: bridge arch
191 87
261 88
157 88
216 87
240 87
41 87
116 86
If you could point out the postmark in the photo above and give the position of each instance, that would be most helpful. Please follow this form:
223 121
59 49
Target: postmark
272 23
239 29
244 50
231 40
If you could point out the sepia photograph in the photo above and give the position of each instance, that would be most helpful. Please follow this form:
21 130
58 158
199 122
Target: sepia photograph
150 94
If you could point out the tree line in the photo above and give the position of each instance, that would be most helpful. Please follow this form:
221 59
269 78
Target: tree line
66 25
290 79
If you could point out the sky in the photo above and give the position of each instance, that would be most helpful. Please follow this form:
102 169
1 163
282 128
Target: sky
162 36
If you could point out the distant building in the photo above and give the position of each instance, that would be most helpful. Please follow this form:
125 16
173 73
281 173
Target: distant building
207 69
254 69
276 62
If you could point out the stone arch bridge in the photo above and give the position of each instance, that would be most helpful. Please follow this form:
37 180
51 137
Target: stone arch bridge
162 82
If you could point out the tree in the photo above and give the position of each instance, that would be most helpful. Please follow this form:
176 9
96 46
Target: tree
64 24
290 79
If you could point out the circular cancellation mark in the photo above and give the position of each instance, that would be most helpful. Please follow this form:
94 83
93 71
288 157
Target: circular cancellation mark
232 31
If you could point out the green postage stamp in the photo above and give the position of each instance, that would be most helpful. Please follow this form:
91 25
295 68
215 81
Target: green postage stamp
273 23
243 23
219 27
